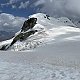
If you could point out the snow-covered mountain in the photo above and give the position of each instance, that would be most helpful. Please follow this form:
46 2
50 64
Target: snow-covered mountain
52 53
50 30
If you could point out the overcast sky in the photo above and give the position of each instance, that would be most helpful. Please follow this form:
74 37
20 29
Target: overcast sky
70 8
51 7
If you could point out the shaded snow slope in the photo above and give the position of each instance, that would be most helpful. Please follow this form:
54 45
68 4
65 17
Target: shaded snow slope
11 71
49 30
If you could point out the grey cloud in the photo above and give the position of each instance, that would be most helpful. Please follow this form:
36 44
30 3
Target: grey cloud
24 4
73 6
9 2
39 2
9 25
8 21
68 8
13 1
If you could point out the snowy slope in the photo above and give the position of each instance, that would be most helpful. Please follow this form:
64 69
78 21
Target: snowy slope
53 53
49 30
11 71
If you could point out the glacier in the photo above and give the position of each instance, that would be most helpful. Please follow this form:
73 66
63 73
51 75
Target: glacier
52 53
49 30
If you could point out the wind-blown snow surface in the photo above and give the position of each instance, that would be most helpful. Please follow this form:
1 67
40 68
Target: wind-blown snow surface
53 53
38 66
36 72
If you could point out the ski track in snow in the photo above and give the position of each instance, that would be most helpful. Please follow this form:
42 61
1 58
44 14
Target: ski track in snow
11 71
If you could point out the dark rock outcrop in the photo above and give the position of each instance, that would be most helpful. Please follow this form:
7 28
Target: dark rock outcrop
24 34
29 24
47 16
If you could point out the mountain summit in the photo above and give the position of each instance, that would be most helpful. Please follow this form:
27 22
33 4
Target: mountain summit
40 29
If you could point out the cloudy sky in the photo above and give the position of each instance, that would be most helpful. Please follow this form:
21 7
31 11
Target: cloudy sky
14 12
23 8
